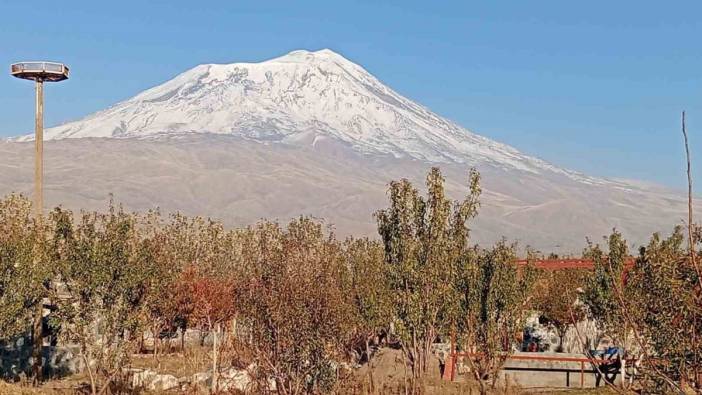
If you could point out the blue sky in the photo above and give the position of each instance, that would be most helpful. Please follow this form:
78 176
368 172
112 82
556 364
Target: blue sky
595 86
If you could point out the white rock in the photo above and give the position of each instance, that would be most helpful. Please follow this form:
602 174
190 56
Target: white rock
163 382
235 379
143 378
201 378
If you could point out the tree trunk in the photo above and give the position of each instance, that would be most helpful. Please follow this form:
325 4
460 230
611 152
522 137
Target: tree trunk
155 339
37 342
108 382
370 368
405 375
215 372
483 386
416 359
93 387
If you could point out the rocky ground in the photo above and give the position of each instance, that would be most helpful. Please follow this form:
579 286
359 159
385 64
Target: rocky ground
189 373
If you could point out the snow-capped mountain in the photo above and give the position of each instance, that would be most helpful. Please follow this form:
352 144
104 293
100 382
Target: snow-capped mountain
312 133
299 98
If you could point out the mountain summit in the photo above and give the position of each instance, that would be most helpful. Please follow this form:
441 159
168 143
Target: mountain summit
299 98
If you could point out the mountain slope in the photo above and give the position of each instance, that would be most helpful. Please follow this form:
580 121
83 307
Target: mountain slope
240 181
299 98
312 133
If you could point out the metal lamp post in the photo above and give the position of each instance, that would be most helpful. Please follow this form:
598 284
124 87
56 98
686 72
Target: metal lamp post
39 72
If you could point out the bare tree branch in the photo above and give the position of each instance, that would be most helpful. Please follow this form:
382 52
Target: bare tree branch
690 233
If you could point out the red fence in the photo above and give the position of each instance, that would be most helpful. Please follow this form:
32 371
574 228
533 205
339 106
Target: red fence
560 264
450 367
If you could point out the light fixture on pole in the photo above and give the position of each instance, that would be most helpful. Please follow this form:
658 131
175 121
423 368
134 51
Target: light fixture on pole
39 72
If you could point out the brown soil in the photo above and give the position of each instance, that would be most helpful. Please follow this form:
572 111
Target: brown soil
389 378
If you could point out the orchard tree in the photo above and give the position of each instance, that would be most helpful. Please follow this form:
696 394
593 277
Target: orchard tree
556 297
178 247
293 299
656 310
371 296
495 296
212 304
425 240
668 315
161 307
25 274
104 265
184 246
604 293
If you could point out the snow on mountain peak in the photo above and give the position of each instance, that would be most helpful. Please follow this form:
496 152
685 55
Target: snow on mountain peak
303 93
303 55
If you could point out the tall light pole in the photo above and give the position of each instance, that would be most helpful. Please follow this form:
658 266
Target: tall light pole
39 72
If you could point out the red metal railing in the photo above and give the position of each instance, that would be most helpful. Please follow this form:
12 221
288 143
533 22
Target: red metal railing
559 264
450 367
544 264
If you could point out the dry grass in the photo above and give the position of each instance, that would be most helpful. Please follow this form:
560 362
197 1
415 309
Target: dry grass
193 360
189 362
76 384
590 391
